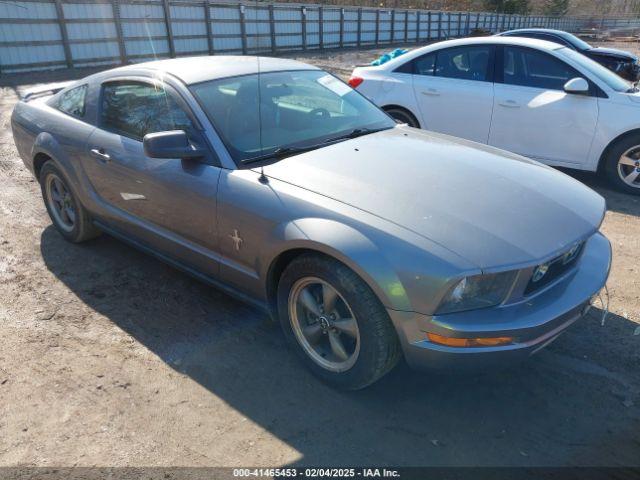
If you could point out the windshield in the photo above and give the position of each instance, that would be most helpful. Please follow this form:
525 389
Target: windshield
575 41
257 115
604 74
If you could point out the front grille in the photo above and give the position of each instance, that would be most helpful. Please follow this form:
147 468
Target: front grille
553 269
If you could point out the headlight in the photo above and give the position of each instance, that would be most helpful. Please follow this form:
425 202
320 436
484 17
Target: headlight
478 291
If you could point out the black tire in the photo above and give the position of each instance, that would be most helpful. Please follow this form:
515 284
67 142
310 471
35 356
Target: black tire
379 349
403 116
613 171
82 227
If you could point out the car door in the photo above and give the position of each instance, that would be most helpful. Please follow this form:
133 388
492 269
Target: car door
168 204
534 116
454 91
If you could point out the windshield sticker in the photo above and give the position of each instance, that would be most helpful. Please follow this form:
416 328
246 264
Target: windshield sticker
335 85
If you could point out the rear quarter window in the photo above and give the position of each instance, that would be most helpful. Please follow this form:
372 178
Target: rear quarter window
406 67
72 102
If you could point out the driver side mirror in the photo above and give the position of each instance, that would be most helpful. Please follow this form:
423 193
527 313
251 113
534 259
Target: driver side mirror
577 86
171 144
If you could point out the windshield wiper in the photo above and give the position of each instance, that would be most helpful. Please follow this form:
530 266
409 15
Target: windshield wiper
355 133
284 152
280 153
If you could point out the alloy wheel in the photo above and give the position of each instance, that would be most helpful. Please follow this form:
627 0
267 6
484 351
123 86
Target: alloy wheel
629 167
60 202
324 324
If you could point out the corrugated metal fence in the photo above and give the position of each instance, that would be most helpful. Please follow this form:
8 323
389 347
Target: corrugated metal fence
46 34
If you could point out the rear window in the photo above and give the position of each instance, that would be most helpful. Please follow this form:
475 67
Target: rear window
72 101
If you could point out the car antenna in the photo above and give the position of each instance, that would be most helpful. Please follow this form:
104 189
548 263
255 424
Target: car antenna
262 178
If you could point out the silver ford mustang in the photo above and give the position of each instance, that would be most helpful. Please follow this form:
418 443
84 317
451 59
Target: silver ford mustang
276 182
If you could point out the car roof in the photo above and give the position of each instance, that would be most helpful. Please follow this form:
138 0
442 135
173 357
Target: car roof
552 31
199 69
520 41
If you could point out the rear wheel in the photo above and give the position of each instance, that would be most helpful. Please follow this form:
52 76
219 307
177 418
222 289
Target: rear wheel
402 116
65 210
622 165
335 323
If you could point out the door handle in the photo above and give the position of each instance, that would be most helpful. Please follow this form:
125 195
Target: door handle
100 154
431 91
509 104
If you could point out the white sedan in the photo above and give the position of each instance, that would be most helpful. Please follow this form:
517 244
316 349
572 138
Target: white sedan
531 97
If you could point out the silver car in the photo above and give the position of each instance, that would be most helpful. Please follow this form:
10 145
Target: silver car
276 182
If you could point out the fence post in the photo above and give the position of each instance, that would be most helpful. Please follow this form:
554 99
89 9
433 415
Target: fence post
303 19
207 18
115 6
439 25
418 19
468 23
406 26
63 34
341 27
429 25
359 41
272 28
243 28
167 22
321 27
377 27
393 26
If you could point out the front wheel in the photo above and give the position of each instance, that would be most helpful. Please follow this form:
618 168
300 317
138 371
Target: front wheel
622 165
335 323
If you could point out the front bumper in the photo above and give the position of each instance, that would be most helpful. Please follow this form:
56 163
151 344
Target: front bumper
534 322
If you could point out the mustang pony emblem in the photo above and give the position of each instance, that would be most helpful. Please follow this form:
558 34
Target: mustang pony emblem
237 240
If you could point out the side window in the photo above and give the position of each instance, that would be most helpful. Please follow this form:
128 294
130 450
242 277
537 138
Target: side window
531 68
555 39
73 101
426 64
134 109
465 63
405 67
535 36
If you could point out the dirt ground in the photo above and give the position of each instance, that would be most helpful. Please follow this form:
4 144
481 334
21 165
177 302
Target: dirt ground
110 358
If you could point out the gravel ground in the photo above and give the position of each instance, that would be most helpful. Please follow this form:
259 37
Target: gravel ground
110 358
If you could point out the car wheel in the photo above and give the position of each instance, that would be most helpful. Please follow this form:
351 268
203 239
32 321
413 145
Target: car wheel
335 323
67 214
622 165
402 116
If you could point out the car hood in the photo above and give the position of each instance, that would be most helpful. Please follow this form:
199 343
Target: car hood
612 52
491 207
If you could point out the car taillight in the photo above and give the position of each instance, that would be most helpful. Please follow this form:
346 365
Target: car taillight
354 82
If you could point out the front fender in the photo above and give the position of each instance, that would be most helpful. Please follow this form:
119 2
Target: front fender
350 247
